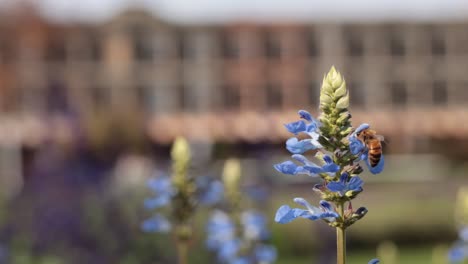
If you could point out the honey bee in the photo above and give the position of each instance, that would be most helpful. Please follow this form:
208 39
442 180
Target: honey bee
372 141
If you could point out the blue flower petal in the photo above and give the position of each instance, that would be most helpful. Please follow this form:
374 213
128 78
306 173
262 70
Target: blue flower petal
378 168
296 146
355 145
296 127
254 225
457 254
329 215
160 184
327 159
286 214
361 128
303 170
313 126
303 202
157 223
336 186
326 205
265 254
355 183
364 157
332 168
302 159
287 167
212 194
374 261
344 177
241 260
157 202
229 250
305 115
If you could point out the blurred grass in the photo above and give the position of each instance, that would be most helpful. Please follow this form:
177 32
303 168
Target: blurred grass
408 255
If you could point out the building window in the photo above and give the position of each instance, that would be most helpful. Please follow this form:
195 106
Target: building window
142 44
399 93
94 47
437 44
397 44
231 47
272 45
56 50
354 42
312 45
439 93
273 95
231 97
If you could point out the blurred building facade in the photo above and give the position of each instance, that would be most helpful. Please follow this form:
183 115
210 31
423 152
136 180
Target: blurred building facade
231 82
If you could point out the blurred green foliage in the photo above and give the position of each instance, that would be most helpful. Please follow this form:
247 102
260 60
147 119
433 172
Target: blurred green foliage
410 215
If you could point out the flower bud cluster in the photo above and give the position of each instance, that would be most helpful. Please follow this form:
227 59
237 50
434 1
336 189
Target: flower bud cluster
176 198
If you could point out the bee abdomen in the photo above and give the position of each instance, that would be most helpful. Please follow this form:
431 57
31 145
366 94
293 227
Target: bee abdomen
374 157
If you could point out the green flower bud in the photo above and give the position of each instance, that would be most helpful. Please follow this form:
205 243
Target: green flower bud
325 99
343 102
344 117
461 206
341 91
231 179
347 131
180 152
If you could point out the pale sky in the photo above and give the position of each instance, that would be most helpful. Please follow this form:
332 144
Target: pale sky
207 11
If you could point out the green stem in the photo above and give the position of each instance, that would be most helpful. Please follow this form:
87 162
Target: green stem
341 239
182 251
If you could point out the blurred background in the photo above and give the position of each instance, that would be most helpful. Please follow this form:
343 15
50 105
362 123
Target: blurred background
92 93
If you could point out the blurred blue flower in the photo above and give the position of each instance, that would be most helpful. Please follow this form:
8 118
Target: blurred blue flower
374 261
254 224
220 229
286 214
223 238
209 191
157 223
163 190
265 253
459 252
343 186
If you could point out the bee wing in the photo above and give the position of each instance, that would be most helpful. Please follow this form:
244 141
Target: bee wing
380 137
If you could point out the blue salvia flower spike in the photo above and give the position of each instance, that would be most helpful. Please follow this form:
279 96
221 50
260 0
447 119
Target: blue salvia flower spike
340 149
